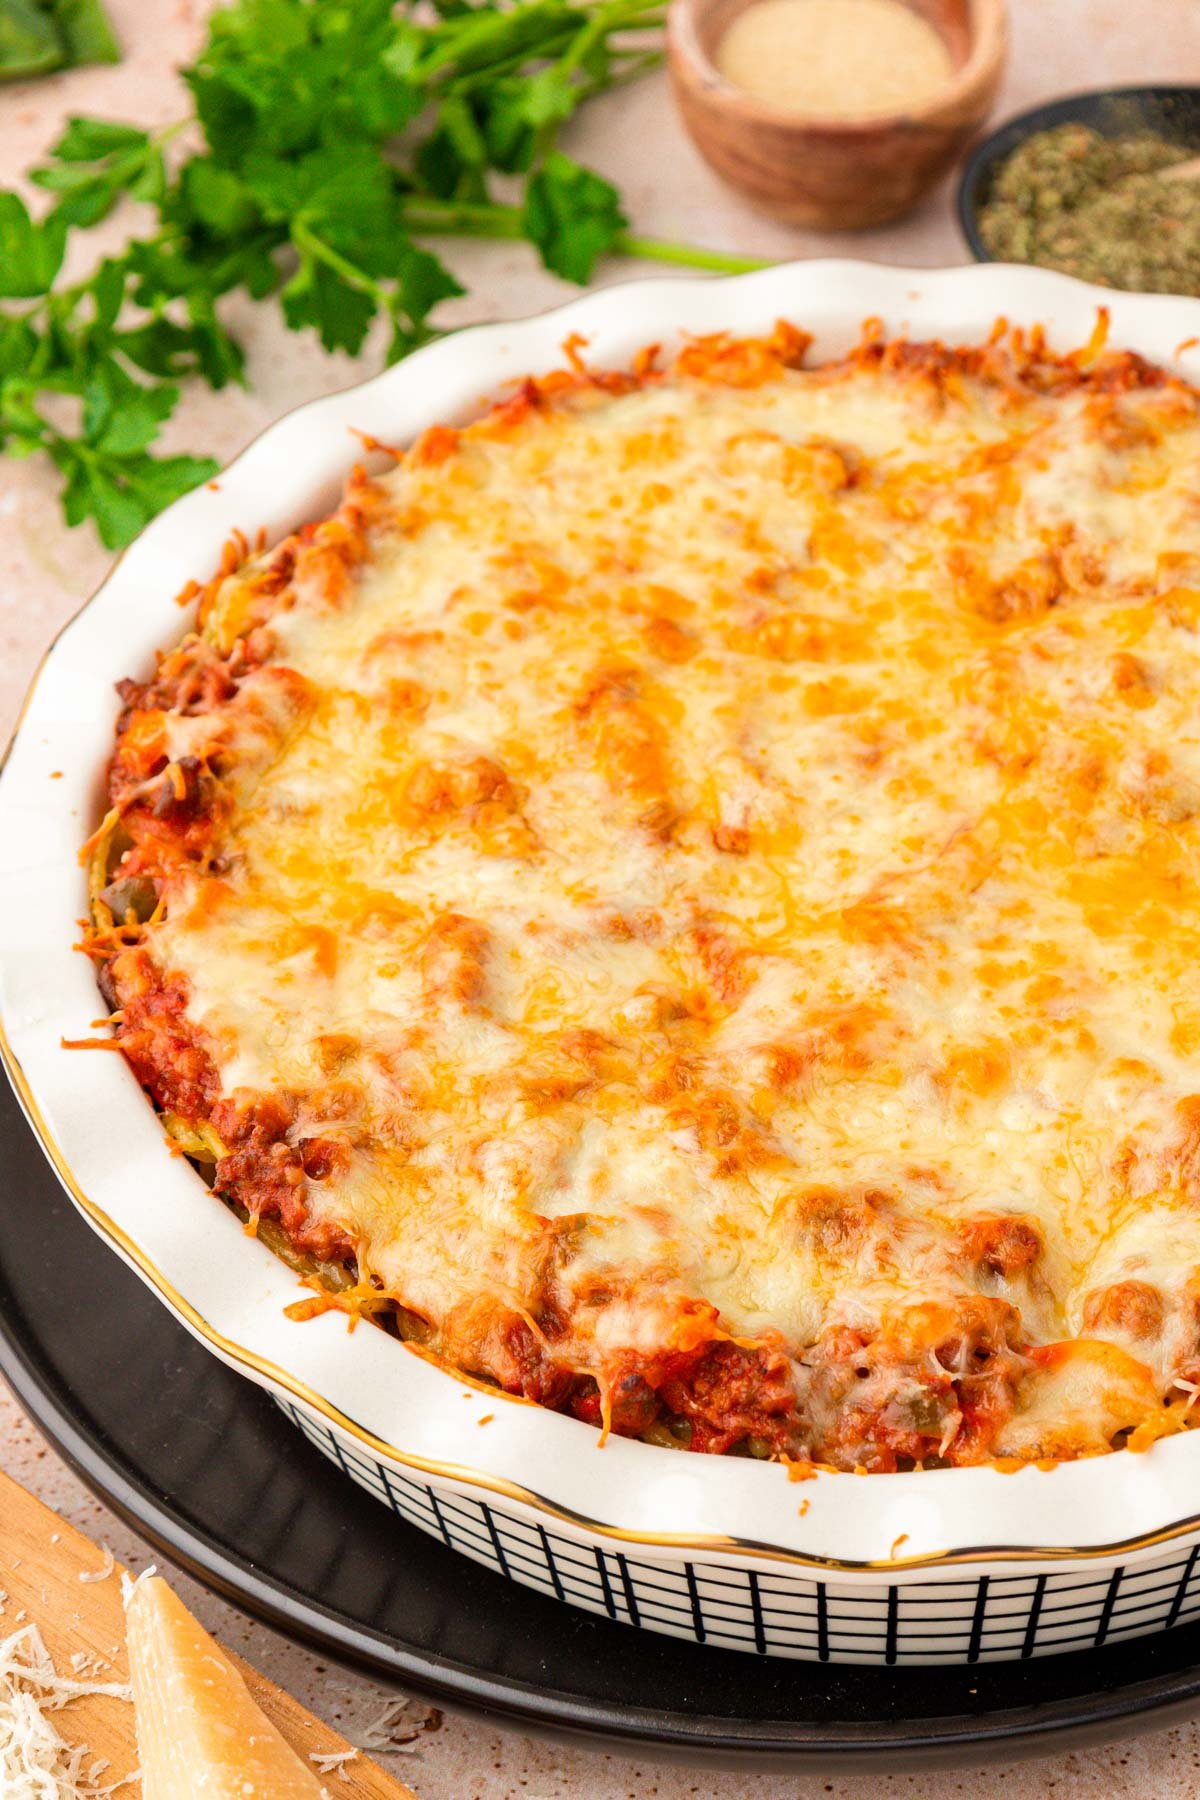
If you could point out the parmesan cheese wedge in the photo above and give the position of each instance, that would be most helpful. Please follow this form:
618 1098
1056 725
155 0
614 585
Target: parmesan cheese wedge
200 1735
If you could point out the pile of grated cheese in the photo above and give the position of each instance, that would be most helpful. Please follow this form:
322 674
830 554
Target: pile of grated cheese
36 1762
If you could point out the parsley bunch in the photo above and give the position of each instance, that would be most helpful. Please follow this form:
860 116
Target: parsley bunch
39 36
336 133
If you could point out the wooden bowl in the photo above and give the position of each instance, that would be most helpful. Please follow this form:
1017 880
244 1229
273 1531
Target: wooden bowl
835 174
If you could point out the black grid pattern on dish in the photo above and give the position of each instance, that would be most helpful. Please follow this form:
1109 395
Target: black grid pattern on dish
769 1612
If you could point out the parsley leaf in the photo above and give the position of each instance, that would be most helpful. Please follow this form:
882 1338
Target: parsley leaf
29 44
93 492
421 280
120 416
203 347
282 75
518 113
18 342
122 493
87 140
453 158
30 255
39 36
157 480
216 199
95 163
317 296
573 216
85 31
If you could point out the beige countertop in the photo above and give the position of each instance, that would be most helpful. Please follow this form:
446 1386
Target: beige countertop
45 571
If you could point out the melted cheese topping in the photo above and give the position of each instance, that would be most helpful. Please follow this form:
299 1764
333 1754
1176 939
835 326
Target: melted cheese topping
731 868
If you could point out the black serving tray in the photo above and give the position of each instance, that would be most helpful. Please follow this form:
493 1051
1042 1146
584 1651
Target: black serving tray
206 1467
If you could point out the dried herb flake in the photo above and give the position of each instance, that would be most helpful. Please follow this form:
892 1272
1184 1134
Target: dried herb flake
1098 208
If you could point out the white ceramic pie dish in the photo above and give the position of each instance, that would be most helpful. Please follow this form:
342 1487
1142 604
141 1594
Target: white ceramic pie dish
946 1565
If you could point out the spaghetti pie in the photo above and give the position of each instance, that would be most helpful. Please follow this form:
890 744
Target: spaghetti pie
683 898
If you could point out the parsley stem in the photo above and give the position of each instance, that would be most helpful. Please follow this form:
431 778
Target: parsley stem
604 20
165 133
688 256
481 79
641 17
638 65
460 218
307 241
631 15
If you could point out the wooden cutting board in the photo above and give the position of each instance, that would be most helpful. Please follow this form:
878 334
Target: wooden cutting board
41 1559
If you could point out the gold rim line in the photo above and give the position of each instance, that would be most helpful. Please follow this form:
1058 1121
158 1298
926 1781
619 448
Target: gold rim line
242 1358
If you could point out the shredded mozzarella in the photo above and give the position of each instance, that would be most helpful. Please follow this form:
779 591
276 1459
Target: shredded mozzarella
36 1762
333 1762
104 1571
394 1731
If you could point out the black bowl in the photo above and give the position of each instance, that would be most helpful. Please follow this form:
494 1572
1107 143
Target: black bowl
1169 112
